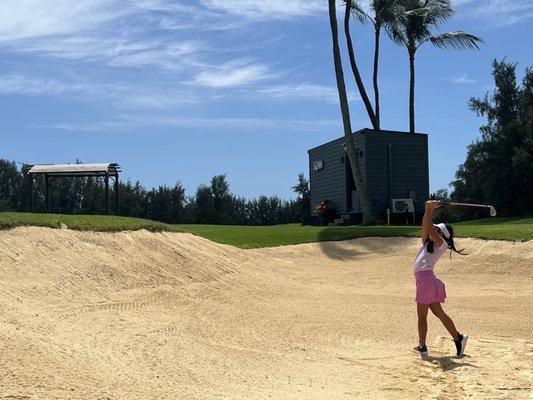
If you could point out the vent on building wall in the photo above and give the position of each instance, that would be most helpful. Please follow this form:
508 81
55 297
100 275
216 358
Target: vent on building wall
402 205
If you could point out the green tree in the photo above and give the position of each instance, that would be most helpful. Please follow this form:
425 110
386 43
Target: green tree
11 186
499 166
204 211
221 199
166 203
414 25
304 201
266 211
93 196
189 212
239 211
133 200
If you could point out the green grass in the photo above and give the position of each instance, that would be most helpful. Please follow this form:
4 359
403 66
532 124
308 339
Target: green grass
104 223
514 229
247 237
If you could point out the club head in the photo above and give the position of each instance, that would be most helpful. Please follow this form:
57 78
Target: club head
492 212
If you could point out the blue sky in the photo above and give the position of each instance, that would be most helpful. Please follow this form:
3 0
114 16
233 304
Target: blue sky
183 90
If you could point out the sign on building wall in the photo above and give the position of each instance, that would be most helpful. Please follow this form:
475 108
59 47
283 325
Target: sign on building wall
318 165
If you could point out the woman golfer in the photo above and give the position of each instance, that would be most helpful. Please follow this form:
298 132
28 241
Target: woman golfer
430 292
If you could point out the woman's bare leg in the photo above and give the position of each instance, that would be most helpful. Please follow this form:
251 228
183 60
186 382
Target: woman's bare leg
422 311
436 308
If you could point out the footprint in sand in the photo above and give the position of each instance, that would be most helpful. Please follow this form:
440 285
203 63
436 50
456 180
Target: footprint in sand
492 368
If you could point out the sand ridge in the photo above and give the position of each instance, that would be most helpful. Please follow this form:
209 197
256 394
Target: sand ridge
130 315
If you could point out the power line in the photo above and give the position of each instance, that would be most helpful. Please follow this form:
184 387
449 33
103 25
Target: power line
22 163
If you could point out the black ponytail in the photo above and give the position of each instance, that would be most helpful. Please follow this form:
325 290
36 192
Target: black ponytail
450 242
430 245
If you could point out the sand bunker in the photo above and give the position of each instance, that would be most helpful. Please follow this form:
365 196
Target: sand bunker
139 315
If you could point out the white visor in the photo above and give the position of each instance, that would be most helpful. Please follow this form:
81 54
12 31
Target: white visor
443 229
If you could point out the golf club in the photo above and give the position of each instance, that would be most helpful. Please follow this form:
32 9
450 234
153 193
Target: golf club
492 210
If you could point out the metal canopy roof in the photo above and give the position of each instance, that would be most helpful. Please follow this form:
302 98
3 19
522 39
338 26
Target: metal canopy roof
76 169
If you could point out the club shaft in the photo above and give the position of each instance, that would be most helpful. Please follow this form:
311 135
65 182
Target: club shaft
470 205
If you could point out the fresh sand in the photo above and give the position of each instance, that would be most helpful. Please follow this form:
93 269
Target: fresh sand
139 315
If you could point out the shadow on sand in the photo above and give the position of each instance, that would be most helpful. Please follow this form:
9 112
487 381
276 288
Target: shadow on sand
333 243
447 363
338 250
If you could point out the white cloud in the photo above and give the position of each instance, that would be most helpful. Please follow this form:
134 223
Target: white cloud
121 52
305 91
234 73
268 9
116 33
461 79
117 95
497 13
141 34
170 6
128 122
23 19
20 84
461 3
144 54
168 55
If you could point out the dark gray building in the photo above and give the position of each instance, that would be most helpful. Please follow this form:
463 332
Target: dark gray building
394 165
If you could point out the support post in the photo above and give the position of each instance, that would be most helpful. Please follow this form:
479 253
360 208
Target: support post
107 191
389 162
30 192
116 193
47 192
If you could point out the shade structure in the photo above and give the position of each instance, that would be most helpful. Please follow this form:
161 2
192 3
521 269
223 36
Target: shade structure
76 169
49 171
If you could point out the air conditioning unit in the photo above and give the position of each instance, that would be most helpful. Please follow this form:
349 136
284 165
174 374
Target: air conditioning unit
402 205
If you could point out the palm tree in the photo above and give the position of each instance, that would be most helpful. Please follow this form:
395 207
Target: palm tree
413 28
368 215
384 15
360 85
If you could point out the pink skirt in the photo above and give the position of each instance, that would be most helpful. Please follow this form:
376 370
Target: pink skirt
429 289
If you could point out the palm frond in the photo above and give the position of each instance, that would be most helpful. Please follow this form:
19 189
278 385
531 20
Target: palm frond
438 12
386 11
358 12
396 34
433 13
457 40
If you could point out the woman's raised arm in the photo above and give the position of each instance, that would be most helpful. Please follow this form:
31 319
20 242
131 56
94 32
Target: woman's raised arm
428 230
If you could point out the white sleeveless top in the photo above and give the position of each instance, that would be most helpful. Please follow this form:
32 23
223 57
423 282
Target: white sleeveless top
425 261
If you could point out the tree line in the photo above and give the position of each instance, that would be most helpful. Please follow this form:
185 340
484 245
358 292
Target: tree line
498 169
211 204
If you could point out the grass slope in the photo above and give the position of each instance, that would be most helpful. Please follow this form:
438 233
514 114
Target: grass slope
516 229
83 222
247 237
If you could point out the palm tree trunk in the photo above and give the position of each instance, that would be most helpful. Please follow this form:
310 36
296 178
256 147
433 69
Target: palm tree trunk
368 216
355 69
375 77
411 91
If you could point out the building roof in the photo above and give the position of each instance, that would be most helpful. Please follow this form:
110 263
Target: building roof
75 169
366 131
